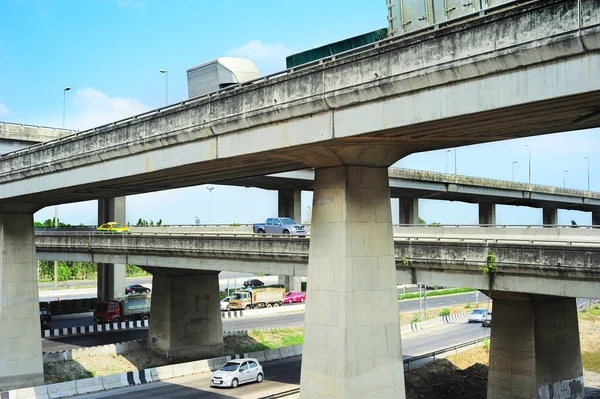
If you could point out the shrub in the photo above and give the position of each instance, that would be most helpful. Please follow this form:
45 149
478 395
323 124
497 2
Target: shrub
445 312
486 344
415 318
468 305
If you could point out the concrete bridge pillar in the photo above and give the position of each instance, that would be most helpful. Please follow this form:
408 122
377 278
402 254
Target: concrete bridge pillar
185 316
111 277
409 210
595 218
290 204
352 345
20 344
291 283
487 213
550 216
535 351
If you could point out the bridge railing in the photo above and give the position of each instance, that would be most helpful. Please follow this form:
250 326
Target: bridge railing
314 64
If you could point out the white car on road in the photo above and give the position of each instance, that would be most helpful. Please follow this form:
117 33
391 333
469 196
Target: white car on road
477 315
225 303
237 371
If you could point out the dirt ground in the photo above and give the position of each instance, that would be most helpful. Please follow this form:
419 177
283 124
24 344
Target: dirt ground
465 375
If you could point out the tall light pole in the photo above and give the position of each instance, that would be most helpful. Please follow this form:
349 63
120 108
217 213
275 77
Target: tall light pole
65 103
588 171
529 156
454 160
209 201
513 170
565 179
55 262
447 151
166 85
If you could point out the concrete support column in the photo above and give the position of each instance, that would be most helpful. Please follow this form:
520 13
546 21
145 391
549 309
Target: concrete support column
595 218
409 210
185 318
535 351
352 345
20 344
550 216
111 277
290 204
487 213
291 283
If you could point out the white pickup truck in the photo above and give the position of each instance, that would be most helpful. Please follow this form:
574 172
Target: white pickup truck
280 226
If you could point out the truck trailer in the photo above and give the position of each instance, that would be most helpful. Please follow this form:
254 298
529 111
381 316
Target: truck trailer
127 308
256 298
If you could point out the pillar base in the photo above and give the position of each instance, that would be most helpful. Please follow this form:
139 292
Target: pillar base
185 319
535 351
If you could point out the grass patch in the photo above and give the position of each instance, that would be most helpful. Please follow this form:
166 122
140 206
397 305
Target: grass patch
413 295
260 340
591 361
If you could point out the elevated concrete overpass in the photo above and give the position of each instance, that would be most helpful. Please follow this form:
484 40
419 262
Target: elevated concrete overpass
549 261
14 136
520 70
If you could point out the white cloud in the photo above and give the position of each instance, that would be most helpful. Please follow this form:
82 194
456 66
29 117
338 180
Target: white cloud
138 5
94 108
4 110
268 58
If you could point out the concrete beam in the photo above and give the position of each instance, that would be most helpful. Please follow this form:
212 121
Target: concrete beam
352 347
186 318
111 276
290 204
535 350
20 344
409 210
549 216
487 214
291 283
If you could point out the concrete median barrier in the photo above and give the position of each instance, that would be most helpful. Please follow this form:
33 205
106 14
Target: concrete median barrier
287 351
89 385
181 369
260 356
114 381
29 393
272 354
162 373
62 390
201 366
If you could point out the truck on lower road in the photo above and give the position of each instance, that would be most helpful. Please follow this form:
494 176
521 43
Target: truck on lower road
127 308
280 226
256 298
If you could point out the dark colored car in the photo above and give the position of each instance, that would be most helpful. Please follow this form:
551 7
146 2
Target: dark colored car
487 320
45 317
253 283
136 289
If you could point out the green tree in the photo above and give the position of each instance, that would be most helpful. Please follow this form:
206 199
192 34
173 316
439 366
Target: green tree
422 221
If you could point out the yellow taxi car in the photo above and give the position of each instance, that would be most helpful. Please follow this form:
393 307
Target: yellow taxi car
113 227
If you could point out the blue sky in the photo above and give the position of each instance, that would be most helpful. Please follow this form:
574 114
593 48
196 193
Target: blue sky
110 53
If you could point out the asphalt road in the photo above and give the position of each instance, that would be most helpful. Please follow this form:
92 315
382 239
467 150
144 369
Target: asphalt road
406 306
285 375
242 323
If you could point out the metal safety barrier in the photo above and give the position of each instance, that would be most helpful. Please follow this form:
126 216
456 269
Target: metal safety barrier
282 394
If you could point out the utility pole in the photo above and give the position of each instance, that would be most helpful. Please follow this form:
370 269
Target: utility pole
55 262
529 156
455 161
422 302
588 171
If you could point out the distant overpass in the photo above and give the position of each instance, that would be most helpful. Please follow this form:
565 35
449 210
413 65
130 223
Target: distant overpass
14 136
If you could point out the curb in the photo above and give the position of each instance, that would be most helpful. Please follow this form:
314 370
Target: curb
69 331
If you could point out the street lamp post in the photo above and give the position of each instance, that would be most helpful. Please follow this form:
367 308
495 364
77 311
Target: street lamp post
65 103
529 157
166 85
565 179
447 151
513 170
55 262
454 160
588 171
210 189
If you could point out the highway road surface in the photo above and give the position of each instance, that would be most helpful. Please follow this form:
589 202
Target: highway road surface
285 375
406 306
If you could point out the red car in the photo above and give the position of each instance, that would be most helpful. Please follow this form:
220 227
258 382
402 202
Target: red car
294 296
